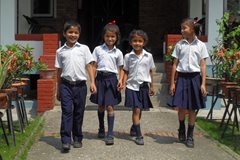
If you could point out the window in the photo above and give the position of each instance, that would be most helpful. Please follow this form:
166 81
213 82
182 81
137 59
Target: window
42 8
233 6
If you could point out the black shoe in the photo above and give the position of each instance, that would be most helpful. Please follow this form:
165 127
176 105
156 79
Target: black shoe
190 142
66 146
181 135
101 133
109 140
133 132
139 141
77 144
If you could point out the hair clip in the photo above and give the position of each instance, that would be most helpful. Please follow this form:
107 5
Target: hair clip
113 22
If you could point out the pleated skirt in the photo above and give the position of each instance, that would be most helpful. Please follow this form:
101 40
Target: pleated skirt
188 92
138 99
107 93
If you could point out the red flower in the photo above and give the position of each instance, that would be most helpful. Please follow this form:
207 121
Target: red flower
220 54
224 49
234 69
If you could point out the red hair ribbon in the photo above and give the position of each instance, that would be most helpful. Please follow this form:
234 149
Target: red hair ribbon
113 22
195 22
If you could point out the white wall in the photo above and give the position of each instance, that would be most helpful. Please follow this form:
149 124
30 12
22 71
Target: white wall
7 21
24 8
195 9
214 11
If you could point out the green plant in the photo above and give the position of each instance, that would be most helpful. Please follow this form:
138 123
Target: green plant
4 65
23 140
21 62
225 55
40 66
168 57
227 63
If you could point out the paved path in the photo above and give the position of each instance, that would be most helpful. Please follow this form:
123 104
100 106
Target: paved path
160 136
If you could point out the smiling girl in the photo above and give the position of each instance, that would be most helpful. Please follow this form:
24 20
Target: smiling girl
108 64
138 65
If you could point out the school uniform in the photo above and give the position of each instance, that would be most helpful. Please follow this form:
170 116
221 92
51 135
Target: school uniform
137 89
108 62
73 89
188 85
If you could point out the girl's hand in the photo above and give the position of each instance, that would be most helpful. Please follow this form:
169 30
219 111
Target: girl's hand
93 88
203 90
119 86
151 91
172 89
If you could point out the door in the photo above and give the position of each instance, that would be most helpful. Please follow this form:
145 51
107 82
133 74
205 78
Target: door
93 15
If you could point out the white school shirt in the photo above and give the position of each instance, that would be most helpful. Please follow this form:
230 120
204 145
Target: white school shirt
138 69
190 55
73 61
107 60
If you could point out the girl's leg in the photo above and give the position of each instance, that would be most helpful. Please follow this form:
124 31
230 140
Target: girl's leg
110 117
191 123
132 130
136 124
181 130
101 130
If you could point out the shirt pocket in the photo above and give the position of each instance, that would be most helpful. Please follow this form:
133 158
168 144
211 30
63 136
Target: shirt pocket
132 63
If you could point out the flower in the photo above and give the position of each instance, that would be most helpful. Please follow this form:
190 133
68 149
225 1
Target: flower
21 61
225 55
226 63
4 64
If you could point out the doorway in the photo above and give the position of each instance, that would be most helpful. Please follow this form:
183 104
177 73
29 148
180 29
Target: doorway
93 15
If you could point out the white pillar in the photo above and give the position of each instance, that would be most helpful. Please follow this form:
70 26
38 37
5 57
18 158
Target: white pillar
195 9
214 11
7 21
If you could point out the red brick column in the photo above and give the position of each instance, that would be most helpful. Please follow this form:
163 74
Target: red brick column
46 88
46 94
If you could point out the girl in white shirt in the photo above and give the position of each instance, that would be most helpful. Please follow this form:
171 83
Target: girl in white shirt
108 64
138 65
190 89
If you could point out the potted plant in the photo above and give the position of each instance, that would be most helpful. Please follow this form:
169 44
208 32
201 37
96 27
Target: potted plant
168 58
15 60
43 70
225 55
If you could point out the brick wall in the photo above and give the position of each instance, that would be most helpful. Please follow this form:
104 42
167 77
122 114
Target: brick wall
46 88
161 17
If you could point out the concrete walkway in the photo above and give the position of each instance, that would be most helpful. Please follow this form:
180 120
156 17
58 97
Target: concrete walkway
160 136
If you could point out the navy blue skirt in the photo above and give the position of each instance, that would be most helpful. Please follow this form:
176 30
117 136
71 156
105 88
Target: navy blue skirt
188 92
138 99
107 93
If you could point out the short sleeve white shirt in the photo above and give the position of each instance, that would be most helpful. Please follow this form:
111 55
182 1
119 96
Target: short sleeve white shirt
190 55
138 69
73 61
107 60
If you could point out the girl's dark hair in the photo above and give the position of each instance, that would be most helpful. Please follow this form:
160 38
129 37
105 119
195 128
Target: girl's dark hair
113 28
193 24
139 33
71 23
